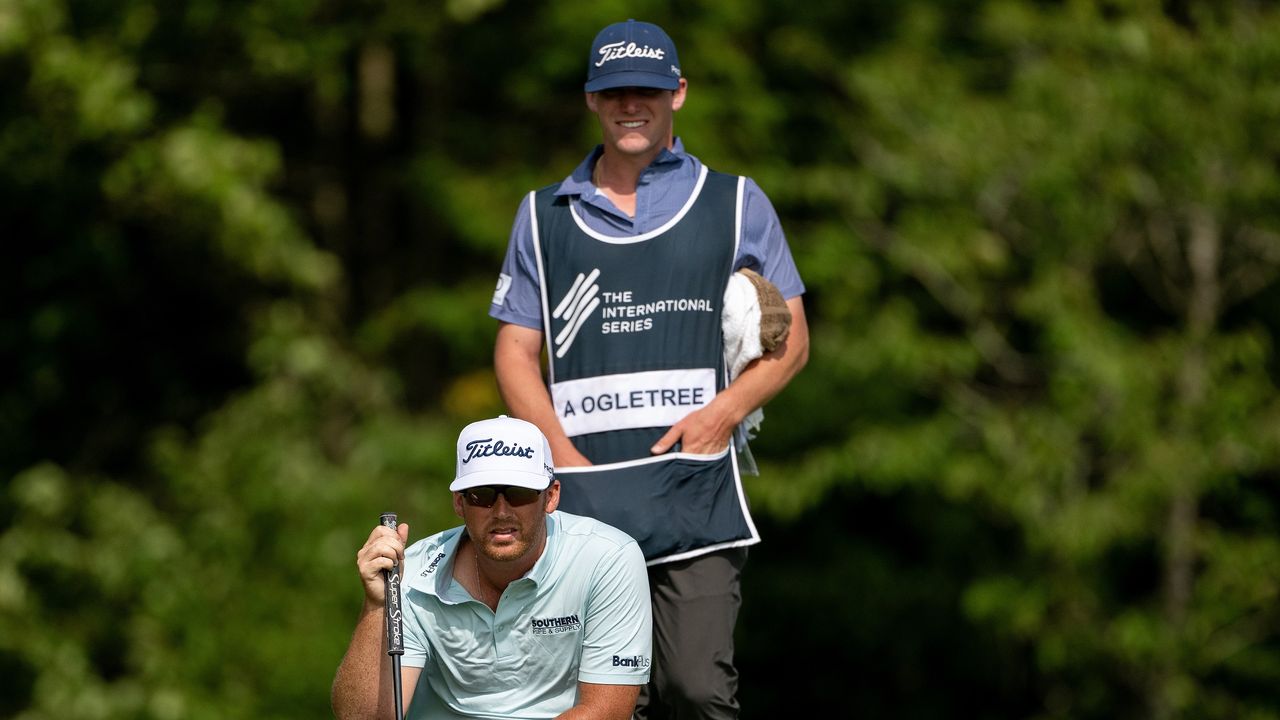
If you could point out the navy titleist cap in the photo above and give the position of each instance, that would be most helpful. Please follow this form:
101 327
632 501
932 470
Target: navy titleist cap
632 54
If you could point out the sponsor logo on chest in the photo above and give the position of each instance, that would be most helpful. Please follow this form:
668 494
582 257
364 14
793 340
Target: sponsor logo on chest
555 625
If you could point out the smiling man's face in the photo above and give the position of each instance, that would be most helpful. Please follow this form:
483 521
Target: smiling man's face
637 121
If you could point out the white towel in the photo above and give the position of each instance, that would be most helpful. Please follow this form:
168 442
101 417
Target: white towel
740 323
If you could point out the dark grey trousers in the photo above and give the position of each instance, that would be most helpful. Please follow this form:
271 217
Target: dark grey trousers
695 607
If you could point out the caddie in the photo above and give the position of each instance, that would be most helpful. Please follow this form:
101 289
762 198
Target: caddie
618 273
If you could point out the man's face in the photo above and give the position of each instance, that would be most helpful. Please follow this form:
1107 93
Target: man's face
637 121
507 532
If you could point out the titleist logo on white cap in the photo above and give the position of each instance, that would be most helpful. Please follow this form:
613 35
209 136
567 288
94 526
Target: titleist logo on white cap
487 447
502 451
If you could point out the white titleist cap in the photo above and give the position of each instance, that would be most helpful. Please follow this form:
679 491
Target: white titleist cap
502 451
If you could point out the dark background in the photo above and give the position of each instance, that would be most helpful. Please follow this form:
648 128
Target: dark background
1031 469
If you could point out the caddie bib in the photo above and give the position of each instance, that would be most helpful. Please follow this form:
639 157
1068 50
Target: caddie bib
634 343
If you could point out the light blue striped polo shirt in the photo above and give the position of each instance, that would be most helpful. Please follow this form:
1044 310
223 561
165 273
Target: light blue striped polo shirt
581 614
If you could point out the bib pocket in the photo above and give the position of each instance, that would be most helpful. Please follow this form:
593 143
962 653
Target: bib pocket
674 505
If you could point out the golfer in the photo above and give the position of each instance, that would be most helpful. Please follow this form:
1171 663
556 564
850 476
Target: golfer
522 612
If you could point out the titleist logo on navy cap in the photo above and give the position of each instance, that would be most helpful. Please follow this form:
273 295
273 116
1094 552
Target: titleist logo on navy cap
619 50
632 54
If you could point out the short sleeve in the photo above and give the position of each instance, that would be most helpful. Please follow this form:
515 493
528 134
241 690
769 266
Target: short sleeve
517 298
416 650
764 246
618 633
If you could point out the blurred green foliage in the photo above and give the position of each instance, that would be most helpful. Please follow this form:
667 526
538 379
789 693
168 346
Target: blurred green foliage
1030 471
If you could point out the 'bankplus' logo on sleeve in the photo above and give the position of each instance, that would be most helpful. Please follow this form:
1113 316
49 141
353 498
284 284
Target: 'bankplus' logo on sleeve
635 661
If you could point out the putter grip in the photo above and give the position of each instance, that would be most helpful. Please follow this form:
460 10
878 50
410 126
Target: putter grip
391 580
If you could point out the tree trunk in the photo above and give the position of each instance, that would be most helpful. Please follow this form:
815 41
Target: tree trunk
1204 251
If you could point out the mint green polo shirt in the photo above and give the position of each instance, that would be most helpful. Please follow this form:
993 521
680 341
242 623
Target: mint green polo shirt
581 614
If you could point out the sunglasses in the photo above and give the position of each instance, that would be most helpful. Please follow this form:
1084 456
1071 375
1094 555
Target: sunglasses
486 495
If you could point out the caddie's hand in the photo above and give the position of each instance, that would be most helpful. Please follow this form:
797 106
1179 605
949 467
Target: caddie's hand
383 550
569 456
704 431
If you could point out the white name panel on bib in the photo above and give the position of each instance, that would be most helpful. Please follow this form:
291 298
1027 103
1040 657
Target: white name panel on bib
631 400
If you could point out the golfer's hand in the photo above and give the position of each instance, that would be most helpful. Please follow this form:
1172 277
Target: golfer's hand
383 549
704 431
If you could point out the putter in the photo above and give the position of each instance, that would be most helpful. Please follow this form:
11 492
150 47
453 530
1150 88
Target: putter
395 638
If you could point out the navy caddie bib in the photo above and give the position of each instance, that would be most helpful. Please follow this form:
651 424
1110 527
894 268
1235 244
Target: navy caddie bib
634 344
